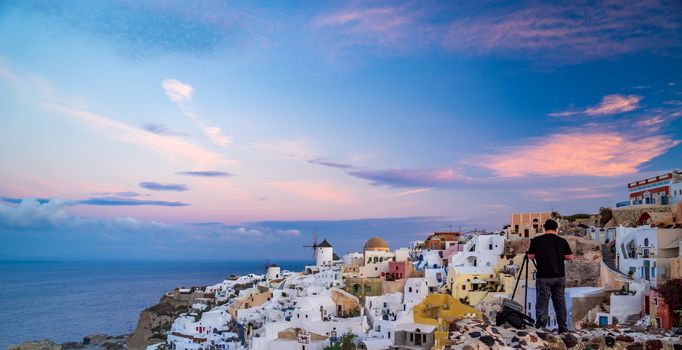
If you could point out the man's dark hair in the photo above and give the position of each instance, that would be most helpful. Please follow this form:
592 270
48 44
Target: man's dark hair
550 225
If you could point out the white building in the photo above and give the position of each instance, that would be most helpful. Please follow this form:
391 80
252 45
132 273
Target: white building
273 272
385 313
480 255
324 254
646 252
570 294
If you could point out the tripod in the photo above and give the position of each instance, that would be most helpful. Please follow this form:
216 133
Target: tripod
525 295
512 312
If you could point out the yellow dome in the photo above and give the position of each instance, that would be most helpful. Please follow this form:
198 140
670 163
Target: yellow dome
376 243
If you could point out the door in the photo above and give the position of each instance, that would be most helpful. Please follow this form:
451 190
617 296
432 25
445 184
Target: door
647 270
603 321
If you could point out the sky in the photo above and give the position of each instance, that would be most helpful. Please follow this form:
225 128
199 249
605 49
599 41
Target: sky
233 130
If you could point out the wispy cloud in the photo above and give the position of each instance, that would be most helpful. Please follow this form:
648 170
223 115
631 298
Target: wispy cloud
155 186
180 93
393 178
559 32
206 173
18 200
409 178
161 129
651 122
331 164
410 192
120 194
173 148
578 152
610 104
119 201
100 201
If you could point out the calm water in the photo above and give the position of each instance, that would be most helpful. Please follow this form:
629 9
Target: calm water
64 301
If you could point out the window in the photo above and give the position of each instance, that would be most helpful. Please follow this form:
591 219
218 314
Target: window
464 287
410 289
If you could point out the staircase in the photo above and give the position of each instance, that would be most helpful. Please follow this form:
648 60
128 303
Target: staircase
609 261
631 320
607 257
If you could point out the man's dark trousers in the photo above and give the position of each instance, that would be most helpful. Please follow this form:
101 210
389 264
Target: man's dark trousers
553 287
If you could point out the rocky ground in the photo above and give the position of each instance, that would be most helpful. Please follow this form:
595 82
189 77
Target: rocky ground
95 342
155 321
473 334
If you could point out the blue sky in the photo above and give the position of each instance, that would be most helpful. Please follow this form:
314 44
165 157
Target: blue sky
147 130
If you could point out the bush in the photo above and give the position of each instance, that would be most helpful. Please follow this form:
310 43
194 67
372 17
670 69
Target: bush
671 291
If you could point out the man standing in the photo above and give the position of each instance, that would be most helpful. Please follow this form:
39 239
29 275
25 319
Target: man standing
550 251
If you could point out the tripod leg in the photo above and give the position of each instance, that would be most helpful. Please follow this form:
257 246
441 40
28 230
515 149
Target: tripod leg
525 261
525 296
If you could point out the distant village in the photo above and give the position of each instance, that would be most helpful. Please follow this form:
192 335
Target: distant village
432 294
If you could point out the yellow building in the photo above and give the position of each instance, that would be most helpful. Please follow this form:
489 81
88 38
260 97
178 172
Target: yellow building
441 310
471 287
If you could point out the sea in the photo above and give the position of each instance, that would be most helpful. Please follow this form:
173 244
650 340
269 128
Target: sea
66 300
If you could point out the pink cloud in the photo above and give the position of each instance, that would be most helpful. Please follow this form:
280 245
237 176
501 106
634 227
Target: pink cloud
651 122
613 104
175 149
610 104
565 32
579 153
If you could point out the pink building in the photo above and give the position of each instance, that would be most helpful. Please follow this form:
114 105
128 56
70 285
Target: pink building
656 307
398 270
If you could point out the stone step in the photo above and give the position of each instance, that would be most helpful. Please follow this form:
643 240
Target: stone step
631 320
607 257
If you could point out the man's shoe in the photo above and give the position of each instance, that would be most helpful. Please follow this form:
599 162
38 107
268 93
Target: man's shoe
563 330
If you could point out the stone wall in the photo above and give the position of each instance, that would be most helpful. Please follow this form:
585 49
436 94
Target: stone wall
628 216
